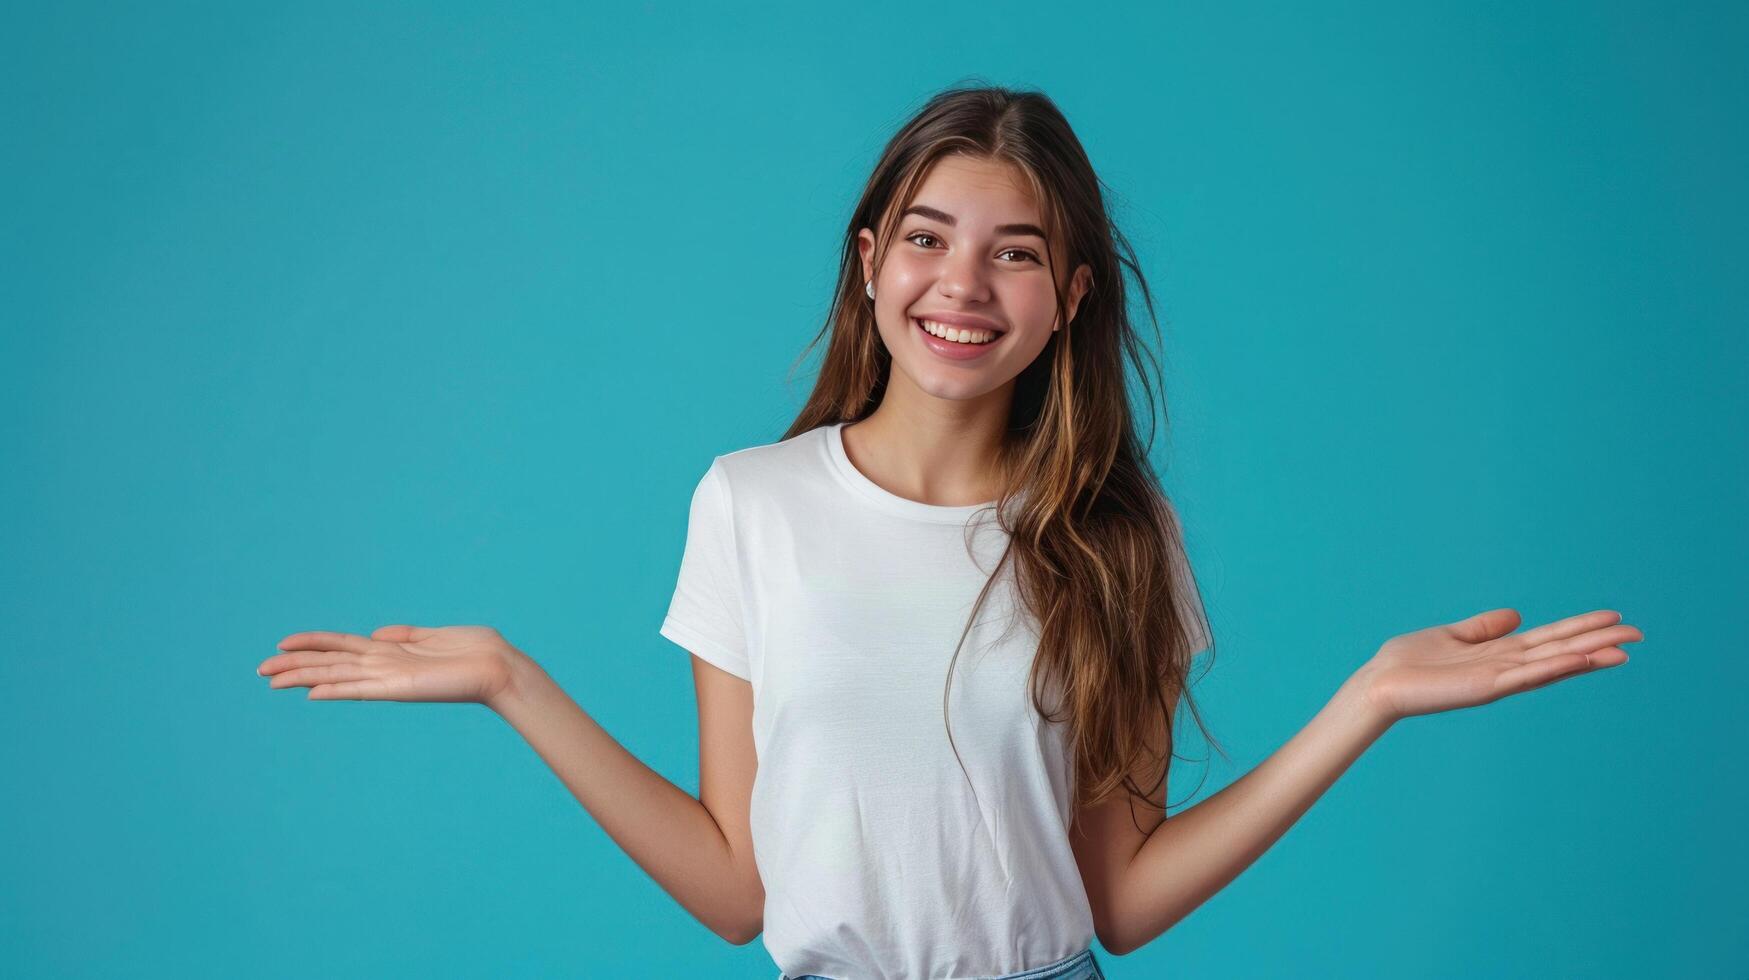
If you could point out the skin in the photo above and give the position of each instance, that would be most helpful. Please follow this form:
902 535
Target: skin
699 850
934 435
933 439
1472 662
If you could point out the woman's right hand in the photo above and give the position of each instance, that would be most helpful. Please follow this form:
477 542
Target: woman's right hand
396 663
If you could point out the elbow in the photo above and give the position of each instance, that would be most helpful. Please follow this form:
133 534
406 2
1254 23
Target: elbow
1108 940
744 933
741 919
1121 944
746 926
1111 945
1116 940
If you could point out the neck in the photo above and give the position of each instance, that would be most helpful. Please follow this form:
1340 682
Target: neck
933 450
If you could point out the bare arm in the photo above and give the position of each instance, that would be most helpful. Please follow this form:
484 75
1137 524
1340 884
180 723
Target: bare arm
1198 852
699 851
1195 854
703 861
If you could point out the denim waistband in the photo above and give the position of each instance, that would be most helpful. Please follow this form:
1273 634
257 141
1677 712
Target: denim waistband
1081 966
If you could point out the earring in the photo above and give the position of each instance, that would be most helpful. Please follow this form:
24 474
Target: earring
869 289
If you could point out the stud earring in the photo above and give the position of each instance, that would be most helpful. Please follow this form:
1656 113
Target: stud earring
869 289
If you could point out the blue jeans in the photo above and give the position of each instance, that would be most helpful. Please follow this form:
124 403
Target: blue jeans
1082 966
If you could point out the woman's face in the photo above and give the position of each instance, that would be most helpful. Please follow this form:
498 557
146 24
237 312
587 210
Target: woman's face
967 255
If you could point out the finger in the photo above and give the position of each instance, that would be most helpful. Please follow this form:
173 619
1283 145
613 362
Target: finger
325 674
359 690
302 658
1563 628
325 640
1584 642
1542 673
1485 626
401 633
1527 677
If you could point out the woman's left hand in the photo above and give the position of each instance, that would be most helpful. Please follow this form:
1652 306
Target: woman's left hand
1479 659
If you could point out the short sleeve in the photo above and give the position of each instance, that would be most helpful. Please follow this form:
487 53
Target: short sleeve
704 616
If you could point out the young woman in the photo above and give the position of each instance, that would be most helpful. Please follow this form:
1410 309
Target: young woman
941 627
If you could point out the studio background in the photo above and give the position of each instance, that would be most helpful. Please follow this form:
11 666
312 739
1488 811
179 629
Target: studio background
328 317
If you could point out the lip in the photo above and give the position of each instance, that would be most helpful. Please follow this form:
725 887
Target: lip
963 320
951 350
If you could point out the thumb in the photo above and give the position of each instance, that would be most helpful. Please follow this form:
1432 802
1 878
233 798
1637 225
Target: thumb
400 633
1485 626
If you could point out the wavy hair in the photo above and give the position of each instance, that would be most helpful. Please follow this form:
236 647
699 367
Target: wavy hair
1094 546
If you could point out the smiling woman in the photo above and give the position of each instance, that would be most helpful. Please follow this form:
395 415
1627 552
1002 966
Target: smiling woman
971 283
979 346
965 477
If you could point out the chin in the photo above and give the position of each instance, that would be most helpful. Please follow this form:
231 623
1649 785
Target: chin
955 389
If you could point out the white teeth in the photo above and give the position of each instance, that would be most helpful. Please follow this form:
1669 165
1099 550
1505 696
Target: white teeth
955 334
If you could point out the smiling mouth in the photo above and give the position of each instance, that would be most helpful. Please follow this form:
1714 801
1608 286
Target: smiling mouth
968 337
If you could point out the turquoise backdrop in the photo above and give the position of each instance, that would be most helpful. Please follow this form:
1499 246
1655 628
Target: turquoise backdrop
326 316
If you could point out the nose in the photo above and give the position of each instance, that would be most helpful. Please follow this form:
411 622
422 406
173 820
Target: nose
965 278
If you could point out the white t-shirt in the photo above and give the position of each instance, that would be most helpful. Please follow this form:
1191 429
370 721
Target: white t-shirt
841 603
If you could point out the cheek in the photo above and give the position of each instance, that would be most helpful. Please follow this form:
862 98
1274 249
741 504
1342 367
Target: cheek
904 275
1034 303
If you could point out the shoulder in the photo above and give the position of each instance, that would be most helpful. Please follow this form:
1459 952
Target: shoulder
769 468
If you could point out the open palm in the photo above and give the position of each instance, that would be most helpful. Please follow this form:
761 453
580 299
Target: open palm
1478 660
395 663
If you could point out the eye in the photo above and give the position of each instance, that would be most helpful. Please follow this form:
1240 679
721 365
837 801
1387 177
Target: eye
923 234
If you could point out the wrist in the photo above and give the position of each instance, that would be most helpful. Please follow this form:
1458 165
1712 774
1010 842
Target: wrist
1362 691
523 681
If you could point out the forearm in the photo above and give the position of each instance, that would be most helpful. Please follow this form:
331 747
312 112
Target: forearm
668 832
1195 854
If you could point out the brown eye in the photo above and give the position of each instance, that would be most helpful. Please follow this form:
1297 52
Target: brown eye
923 234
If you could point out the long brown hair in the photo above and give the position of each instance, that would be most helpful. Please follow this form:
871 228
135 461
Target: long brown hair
1095 547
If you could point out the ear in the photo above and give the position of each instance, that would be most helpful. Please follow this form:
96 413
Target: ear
1079 285
865 243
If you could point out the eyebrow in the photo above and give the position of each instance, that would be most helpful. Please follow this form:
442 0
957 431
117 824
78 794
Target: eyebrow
925 211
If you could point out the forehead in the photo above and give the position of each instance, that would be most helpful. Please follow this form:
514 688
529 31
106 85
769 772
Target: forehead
978 192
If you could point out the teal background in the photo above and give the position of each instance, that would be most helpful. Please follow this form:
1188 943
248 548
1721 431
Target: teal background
326 317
